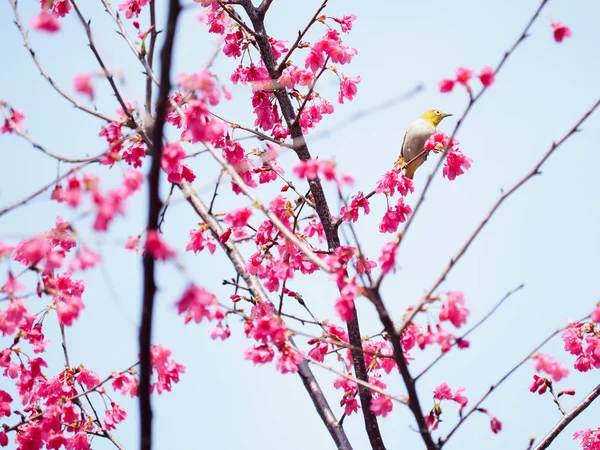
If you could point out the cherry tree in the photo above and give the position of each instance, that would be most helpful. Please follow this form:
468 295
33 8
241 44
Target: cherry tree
247 234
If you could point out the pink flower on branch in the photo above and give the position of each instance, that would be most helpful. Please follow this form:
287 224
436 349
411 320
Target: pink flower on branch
45 21
549 364
16 121
561 32
157 247
82 83
348 88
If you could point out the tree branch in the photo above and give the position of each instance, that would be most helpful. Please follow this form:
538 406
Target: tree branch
154 206
568 418
323 211
308 379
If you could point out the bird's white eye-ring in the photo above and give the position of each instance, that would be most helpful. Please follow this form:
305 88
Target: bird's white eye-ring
437 113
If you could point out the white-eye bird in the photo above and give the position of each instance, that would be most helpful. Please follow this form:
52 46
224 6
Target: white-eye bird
417 134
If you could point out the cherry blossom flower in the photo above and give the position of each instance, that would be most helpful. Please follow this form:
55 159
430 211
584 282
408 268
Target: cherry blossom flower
550 365
446 85
157 247
496 425
82 83
454 310
166 369
486 76
348 88
16 121
456 164
132 8
463 75
381 405
45 21
561 31
197 303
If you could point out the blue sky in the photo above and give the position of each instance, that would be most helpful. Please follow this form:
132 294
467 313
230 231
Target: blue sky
545 236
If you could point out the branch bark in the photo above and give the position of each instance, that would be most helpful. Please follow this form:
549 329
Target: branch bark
154 206
323 211
568 418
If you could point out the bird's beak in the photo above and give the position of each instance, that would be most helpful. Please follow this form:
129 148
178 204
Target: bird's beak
448 115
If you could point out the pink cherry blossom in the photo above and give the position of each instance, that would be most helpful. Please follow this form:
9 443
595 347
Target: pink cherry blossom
238 218
496 425
453 309
346 22
463 75
114 416
561 31
133 243
45 21
548 364
197 303
157 247
5 400
486 76
220 332
16 121
460 398
595 315
348 88
132 7
61 7
198 242
135 154
442 392
394 217
381 405
446 85
12 285
388 257
350 213
85 259
456 164
259 355
166 369
82 83
539 384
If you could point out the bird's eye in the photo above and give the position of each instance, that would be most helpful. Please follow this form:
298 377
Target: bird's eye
437 113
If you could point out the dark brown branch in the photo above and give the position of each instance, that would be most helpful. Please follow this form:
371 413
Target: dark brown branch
154 206
323 211
409 381
568 418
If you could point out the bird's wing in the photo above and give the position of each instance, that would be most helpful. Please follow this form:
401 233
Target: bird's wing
402 148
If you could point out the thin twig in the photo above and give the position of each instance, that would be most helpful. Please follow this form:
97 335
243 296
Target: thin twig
568 418
477 325
502 380
472 102
43 72
39 147
107 74
301 35
535 171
